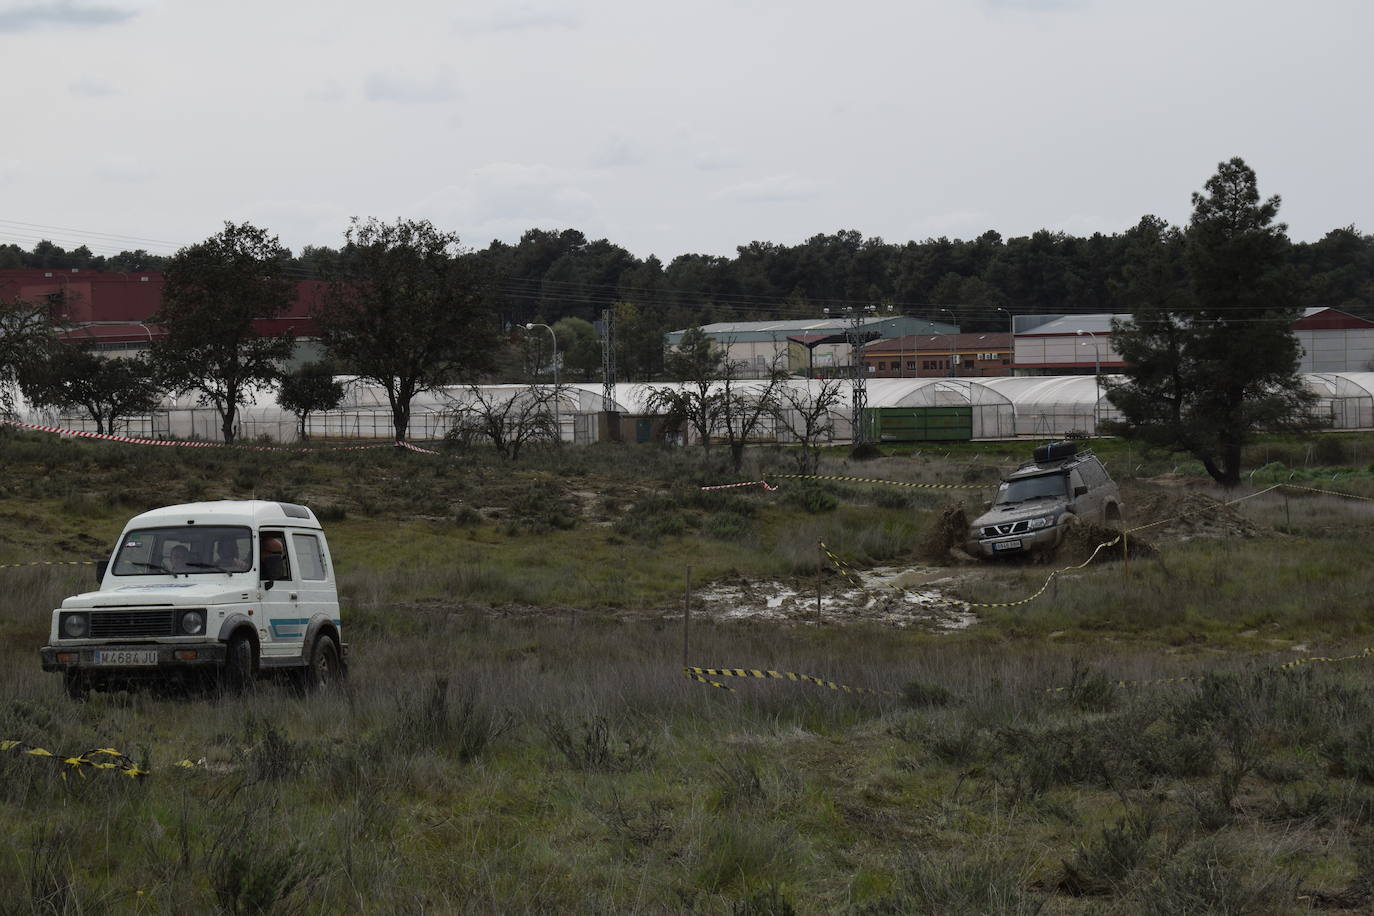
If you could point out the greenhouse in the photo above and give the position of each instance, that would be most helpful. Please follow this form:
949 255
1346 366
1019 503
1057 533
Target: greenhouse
1050 407
1042 407
1347 398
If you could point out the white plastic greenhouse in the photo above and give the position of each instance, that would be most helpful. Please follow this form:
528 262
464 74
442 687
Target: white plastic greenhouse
1001 407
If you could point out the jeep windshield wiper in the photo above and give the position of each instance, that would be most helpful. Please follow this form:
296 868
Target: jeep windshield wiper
155 567
215 566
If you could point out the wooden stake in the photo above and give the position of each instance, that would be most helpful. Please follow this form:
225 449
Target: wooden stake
687 619
820 570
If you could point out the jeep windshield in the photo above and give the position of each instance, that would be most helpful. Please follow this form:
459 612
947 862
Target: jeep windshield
184 550
1028 488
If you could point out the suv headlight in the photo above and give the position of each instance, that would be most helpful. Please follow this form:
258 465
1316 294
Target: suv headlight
1043 521
193 623
75 626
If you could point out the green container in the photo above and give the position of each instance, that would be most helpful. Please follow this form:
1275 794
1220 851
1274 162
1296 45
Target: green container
918 424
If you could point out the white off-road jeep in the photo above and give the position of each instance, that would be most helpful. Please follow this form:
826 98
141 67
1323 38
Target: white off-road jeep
232 589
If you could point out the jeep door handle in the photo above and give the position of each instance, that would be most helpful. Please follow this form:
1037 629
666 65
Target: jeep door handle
293 596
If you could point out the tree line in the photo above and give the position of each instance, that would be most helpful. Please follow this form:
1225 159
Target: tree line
406 308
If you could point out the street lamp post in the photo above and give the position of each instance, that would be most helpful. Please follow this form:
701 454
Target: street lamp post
1011 335
953 357
557 421
1097 376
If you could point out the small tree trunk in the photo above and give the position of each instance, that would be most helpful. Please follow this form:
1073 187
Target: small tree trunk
227 422
737 454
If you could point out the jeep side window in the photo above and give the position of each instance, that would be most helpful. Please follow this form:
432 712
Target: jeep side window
1076 481
1093 473
310 556
272 551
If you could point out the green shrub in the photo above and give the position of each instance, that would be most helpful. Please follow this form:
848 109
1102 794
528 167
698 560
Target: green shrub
1102 864
728 526
812 498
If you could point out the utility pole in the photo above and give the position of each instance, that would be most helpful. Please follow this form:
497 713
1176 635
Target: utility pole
608 360
858 377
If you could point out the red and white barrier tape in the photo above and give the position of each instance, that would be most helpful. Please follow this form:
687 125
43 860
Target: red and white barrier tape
747 483
415 448
83 434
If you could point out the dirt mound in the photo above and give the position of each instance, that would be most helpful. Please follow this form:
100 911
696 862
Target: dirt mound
946 536
1185 515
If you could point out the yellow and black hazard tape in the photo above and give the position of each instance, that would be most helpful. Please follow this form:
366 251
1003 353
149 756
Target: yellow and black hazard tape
890 483
1286 666
101 758
1293 486
49 563
705 674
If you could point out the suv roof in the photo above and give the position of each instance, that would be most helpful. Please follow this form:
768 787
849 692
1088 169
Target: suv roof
1033 468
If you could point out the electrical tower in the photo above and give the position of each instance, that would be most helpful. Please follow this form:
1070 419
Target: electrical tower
608 360
858 376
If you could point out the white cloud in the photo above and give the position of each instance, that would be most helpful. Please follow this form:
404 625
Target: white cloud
90 87
519 17
398 87
618 151
503 199
27 15
126 170
330 91
772 189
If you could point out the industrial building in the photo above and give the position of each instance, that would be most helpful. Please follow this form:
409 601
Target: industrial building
1331 340
805 346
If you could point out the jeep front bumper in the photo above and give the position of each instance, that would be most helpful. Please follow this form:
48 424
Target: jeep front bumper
1018 544
133 659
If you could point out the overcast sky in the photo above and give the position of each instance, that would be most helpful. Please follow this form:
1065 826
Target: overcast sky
672 128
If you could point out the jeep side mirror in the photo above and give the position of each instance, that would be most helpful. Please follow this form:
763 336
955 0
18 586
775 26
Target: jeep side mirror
100 567
1080 491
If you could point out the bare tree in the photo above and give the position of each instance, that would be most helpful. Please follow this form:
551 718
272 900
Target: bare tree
509 418
744 408
699 364
805 413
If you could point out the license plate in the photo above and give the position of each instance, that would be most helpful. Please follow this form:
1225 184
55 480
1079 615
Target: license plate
126 657
1006 545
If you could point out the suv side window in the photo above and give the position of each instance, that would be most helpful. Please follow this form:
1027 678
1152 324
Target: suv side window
309 555
1075 481
1093 473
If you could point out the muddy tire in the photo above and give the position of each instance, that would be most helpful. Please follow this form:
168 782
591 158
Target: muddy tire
77 685
1111 516
240 665
325 668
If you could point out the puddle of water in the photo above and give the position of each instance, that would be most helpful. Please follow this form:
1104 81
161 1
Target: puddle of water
879 599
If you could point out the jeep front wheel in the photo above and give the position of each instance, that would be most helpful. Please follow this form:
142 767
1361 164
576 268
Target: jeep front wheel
240 664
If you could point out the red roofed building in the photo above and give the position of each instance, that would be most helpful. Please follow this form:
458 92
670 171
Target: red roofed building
112 309
939 356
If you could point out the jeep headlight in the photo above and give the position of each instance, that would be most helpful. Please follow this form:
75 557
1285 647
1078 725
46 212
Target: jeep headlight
75 626
1043 521
193 623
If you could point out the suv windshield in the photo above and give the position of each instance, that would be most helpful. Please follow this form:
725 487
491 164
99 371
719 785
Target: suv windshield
184 550
1018 491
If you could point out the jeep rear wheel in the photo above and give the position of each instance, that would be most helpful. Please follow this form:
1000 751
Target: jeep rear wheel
325 668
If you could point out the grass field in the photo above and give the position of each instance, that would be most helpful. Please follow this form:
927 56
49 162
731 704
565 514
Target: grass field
517 735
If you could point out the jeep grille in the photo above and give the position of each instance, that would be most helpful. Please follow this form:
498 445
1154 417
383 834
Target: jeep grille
994 531
131 624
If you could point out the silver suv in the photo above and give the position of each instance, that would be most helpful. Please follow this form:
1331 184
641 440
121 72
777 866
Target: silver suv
1041 499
